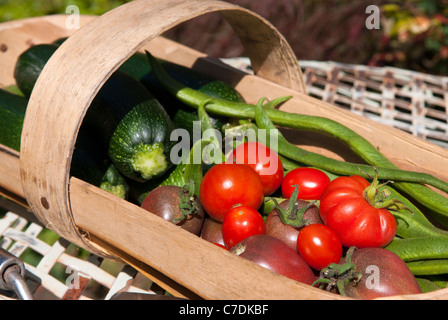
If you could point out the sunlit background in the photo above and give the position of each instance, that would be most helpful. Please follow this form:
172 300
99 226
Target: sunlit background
412 35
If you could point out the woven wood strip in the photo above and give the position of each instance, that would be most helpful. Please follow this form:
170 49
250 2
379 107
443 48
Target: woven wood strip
411 101
20 237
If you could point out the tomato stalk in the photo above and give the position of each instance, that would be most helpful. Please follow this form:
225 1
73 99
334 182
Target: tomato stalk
292 216
187 205
382 200
339 275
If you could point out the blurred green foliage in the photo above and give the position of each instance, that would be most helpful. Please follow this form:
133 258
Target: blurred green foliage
18 9
413 33
415 36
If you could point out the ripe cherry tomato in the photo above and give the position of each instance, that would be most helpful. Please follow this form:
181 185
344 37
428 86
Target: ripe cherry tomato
354 218
264 161
319 246
241 222
311 183
228 184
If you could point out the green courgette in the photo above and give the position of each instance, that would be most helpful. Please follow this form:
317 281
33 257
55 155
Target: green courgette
138 67
89 163
134 126
119 94
132 150
30 64
221 90
113 182
12 114
185 117
140 146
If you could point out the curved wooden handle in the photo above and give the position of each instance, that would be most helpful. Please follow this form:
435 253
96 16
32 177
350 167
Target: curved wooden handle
78 69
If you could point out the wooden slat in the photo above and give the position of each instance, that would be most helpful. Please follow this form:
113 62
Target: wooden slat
184 257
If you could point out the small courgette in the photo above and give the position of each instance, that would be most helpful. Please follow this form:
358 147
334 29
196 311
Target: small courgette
140 146
113 182
12 114
29 65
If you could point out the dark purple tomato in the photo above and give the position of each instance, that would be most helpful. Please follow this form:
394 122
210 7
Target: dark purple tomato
384 274
212 231
164 201
288 234
273 254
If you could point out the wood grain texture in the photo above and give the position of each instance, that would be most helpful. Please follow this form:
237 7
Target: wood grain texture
18 35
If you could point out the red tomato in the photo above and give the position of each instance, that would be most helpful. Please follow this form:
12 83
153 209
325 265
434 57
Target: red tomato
287 233
357 222
221 246
228 184
311 183
241 222
319 246
264 161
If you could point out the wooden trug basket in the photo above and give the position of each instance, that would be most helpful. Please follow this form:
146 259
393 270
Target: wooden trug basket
185 265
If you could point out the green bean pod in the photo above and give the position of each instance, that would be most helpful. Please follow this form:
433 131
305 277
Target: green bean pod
411 182
427 285
439 280
410 223
428 267
407 226
420 248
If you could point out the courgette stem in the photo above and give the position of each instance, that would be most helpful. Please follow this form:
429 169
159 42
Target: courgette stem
149 160
436 202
